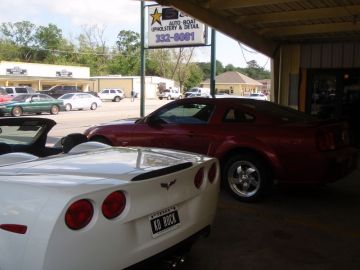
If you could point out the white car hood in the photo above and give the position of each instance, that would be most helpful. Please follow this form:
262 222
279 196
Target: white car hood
118 163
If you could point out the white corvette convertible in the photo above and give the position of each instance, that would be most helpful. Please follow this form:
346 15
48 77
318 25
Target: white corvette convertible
96 206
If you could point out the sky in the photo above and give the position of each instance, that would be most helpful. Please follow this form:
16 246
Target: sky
113 16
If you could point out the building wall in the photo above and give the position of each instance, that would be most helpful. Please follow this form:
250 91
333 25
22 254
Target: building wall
43 76
235 89
43 70
295 59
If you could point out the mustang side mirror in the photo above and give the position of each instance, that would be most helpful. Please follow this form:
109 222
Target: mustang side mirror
154 120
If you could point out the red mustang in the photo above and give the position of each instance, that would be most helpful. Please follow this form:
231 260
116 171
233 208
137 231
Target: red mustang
257 142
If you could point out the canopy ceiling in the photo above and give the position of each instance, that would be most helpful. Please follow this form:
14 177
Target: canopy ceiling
266 24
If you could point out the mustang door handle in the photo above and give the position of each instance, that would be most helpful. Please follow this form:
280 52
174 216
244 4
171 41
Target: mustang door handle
191 134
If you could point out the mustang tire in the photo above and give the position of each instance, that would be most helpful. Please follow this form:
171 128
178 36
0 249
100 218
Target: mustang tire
117 99
247 177
16 111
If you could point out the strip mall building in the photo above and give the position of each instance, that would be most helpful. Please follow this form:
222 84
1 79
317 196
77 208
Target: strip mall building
44 76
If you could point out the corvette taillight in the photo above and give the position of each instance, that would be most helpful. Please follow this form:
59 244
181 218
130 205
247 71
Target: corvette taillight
79 214
114 205
199 178
15 228
212 173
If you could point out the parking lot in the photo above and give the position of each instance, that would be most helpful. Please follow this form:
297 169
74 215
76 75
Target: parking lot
297 227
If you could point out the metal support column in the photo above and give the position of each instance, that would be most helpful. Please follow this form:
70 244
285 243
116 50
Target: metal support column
142 61
213 62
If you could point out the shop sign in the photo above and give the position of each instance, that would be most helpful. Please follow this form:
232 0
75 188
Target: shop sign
169 27
16 71
64 73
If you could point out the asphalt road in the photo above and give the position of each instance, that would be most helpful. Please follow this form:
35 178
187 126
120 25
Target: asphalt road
296 227
79 120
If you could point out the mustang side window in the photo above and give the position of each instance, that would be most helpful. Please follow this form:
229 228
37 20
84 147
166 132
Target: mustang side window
237 116
188 114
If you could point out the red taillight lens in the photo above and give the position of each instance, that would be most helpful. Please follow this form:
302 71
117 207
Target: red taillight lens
114 205
199 178
326 141
212 173
15 228
79 214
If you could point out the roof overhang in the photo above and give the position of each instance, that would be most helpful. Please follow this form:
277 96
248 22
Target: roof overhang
266 24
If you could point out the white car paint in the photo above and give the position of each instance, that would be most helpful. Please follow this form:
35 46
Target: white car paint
112 94
36 192
80 101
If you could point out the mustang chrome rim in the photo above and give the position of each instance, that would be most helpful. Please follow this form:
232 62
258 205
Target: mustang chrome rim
244 178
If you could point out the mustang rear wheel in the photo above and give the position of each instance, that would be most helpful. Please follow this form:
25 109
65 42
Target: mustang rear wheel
247 177
54 109
93 106
16 111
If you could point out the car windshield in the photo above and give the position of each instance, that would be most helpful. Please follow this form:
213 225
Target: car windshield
3 91
20 98
66 96
24 134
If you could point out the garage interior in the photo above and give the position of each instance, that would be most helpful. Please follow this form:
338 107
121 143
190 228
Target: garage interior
315 51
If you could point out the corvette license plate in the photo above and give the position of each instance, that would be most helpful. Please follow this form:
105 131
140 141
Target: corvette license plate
164 221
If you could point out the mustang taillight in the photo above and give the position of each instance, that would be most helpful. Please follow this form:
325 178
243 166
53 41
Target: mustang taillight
212 173
199 178
114 205
15 228
325 140
79 214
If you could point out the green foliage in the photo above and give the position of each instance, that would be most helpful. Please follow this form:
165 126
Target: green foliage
195 78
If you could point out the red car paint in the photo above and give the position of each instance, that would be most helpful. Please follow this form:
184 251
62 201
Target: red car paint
287 140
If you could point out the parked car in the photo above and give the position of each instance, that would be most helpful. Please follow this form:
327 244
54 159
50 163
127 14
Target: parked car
31 103
59 90
257 142
198 91
170 94
259 96
18 90
80 101
4 96
97 207
112 94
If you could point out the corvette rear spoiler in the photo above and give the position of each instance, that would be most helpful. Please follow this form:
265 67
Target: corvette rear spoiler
163 171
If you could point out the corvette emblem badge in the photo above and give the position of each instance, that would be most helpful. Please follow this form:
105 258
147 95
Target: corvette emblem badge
168 185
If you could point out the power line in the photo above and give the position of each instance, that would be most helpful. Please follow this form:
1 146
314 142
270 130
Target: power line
253 52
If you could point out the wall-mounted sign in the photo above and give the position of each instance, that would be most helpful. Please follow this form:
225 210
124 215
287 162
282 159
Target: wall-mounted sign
64 73
169 27
16 71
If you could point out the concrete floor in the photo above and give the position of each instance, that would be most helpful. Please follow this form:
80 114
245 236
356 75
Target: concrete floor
294 228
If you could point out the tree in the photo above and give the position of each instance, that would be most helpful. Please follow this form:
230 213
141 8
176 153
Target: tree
20 34
196 76
49 39
127 58
206 68
128 41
